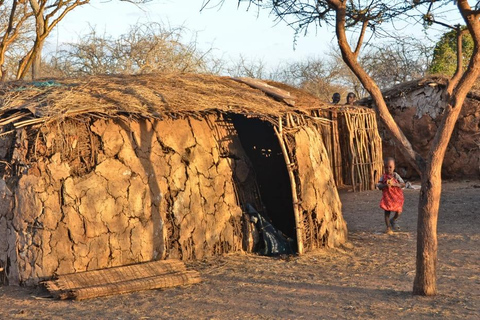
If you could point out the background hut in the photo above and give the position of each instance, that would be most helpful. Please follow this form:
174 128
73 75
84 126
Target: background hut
417 107
108 171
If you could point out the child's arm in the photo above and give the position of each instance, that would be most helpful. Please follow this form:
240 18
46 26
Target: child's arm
381 184
401 183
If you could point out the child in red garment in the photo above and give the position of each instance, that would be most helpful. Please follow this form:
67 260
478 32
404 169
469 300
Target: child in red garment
391 185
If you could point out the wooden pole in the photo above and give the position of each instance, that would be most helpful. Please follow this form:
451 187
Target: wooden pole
296 211
333 138
275 92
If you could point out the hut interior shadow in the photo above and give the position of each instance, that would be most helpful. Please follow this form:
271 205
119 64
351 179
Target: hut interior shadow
260 143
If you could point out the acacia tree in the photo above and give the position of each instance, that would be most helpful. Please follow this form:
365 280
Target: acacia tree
320 77
244 67
47 14
13 15
361 16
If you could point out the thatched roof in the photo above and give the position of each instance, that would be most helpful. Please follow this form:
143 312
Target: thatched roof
408 87
147 96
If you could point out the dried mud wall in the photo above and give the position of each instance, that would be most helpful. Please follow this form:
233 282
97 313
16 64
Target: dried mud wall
418 113
90 194
319 202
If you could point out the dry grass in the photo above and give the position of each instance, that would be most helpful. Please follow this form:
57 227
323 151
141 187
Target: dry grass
148 96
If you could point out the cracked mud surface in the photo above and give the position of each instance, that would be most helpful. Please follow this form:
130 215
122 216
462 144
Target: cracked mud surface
372 279
143 197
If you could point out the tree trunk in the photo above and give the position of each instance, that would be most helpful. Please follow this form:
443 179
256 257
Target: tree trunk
3 72
23 65
30 59
37 64
427 245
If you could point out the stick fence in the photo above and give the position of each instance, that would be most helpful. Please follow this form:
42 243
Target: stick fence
353 144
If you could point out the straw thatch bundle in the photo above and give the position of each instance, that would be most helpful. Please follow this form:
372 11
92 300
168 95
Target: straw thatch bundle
123 279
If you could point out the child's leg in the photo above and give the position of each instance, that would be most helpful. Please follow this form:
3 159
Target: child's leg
387 219
393 221
387 222
397 215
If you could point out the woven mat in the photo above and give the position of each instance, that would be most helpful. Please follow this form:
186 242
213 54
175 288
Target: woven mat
124 279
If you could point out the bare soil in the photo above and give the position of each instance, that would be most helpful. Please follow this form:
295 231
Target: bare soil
370 277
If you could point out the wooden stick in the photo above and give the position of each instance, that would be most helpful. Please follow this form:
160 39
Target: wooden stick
289 124
291 120
275 92
291 175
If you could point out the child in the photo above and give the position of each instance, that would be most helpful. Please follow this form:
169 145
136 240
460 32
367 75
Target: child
391 185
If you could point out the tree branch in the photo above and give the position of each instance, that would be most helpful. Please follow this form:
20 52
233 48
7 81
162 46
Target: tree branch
62 15
452 83
360 38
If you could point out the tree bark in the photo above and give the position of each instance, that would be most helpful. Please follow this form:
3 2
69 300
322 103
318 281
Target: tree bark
380 107
37 64
430 193
15 22
425 282
24 65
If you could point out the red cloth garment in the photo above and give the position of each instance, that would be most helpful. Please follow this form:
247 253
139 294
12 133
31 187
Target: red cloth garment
392 197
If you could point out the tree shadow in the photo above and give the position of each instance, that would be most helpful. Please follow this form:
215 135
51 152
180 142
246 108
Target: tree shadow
146 136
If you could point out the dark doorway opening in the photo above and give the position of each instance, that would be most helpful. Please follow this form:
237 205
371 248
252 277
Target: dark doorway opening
261 145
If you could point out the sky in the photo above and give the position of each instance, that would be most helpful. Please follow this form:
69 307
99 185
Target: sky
230 30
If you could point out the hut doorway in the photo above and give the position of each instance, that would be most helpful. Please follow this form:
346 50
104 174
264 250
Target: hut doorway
261 145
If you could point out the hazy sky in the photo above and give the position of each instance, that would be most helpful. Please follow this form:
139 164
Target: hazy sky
231 31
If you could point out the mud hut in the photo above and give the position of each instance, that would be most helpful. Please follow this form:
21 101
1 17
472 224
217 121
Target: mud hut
417 107
109 171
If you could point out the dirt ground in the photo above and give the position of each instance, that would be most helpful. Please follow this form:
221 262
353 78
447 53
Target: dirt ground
371 277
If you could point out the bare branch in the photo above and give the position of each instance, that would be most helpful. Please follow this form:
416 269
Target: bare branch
360 38
459 70
145 48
